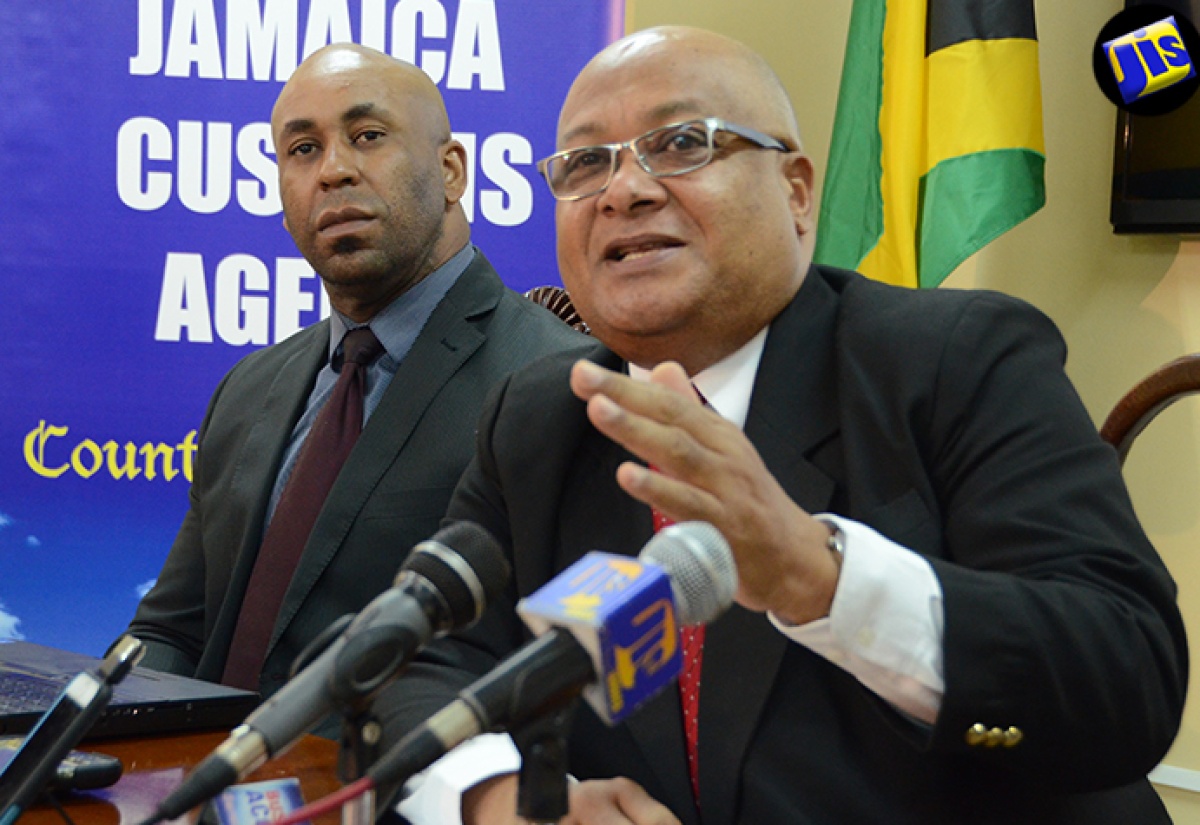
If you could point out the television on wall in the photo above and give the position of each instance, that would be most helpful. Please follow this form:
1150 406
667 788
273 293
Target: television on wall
1156 164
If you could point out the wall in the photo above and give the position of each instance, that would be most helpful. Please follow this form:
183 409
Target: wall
1125 304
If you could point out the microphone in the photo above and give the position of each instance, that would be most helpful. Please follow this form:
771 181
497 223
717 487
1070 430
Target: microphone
61 727
608 627
444 585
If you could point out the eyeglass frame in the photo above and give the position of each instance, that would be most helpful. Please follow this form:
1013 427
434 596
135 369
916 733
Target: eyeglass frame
712 125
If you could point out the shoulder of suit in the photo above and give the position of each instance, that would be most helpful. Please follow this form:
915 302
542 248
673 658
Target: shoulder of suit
549 374
274 356
480 291
257 371
875 313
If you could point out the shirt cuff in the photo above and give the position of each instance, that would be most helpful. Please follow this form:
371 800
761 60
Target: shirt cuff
434 796
886 624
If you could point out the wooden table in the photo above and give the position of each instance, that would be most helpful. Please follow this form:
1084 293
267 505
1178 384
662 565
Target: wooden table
154 766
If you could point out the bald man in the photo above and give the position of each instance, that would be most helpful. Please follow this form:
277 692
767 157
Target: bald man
371 183
946 612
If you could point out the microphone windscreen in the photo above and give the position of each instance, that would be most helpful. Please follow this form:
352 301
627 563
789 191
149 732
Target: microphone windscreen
466 564
700 565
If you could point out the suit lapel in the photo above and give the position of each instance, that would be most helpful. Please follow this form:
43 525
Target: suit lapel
792 416
444 345
282 405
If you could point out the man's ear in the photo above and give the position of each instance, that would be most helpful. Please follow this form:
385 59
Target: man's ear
798 172
454 171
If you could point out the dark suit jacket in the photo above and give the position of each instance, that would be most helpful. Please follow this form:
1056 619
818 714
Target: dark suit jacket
944 420
391 494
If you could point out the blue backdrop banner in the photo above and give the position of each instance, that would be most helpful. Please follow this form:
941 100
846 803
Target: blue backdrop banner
142 251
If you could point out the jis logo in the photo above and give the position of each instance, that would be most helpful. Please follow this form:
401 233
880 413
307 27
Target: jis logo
1149 60
623 612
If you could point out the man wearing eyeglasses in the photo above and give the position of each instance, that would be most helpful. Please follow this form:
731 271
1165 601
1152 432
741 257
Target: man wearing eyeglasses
946 611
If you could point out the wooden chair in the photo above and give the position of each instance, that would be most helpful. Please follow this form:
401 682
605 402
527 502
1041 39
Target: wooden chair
557 300
1150 396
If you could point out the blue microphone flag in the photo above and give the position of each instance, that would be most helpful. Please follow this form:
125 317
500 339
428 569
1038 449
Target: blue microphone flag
623 613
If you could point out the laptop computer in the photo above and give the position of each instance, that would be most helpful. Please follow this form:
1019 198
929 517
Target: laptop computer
144 702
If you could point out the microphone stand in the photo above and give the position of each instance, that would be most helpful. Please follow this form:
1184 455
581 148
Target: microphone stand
359 748
361 730
542 783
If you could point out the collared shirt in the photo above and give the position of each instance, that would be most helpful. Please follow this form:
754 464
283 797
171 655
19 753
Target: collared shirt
396 326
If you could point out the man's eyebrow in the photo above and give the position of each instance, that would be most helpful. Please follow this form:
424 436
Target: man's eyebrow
658 114
358 110
301 124
581 130
305 124
677 107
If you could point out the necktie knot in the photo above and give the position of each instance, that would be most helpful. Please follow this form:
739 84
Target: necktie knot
360 346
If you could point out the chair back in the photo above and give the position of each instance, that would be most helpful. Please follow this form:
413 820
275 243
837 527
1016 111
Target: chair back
1150 396
557 300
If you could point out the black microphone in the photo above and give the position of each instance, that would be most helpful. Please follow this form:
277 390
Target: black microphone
444 585
578 651
61 727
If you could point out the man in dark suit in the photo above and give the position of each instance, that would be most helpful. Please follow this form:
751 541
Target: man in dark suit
946 611
371 182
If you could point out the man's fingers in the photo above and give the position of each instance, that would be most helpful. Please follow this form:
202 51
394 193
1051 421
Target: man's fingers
677 500
667 446
665 398
640 807
672 375
617 801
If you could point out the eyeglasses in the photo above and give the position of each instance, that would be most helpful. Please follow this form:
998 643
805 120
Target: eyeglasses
663 152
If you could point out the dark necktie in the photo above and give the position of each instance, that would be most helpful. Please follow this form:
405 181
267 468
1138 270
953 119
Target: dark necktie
325 449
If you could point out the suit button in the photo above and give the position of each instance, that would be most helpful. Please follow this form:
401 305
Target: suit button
1013 737
977 734
995 737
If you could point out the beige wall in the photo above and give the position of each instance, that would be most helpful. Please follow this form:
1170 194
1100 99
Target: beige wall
1125 304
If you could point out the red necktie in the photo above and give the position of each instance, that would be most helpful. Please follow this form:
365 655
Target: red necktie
691 639
325 449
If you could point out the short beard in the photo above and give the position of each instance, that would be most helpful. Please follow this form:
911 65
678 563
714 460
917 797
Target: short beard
346 246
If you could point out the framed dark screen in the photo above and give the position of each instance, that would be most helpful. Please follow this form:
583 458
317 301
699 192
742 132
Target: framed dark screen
1156 162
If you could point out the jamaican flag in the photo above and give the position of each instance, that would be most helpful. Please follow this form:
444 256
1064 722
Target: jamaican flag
937 143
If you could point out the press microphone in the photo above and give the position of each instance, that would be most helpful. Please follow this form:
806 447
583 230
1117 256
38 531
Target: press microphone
61 727
444 585
608 628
